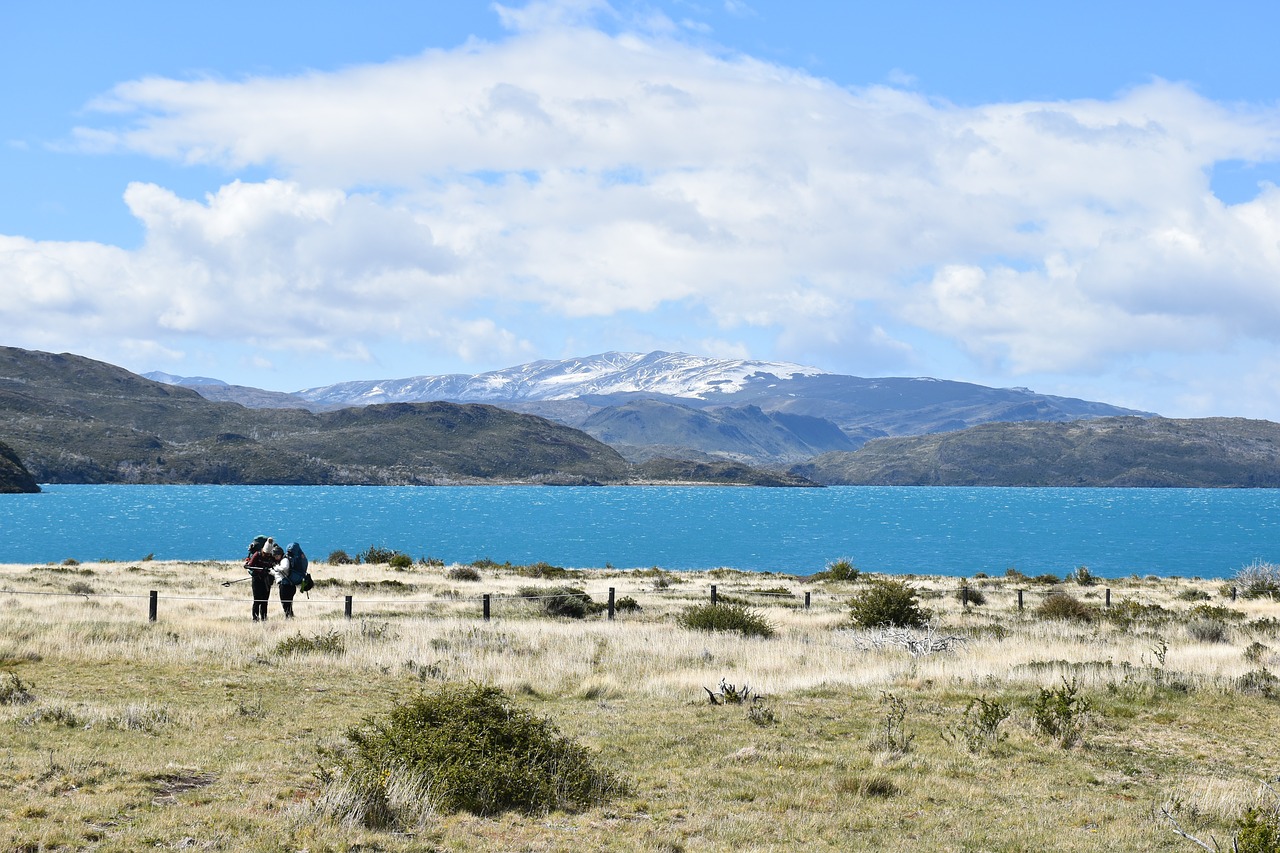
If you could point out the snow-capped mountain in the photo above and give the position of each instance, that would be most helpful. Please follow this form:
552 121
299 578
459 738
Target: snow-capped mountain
657 373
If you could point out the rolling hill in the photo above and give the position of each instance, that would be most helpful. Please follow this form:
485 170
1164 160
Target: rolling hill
1125 451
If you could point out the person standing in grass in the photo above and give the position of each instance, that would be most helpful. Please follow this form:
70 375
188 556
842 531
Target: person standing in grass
261 560
290 572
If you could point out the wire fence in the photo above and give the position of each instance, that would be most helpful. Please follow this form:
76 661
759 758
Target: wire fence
967 597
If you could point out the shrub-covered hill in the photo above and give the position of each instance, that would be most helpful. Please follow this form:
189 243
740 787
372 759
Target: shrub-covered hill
14 477
1125 451
75 420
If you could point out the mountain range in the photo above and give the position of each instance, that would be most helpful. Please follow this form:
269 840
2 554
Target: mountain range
71 419
647 405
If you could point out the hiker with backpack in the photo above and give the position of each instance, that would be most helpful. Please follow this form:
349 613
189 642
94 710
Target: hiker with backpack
261 560
291 574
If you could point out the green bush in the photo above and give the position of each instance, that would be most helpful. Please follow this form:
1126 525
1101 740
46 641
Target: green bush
888 603
463 573
469 748
1259 832
330 643
400 561
374 555
547 572
726 617
340 558
1062 605
1082 576
1192 595
1060 713
971 595
627 604
842 569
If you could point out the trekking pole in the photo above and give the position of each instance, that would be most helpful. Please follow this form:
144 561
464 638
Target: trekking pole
238 580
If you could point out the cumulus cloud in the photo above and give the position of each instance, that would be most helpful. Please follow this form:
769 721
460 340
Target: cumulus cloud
593 174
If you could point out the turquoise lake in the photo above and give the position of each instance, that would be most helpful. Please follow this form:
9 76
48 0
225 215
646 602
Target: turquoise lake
952 531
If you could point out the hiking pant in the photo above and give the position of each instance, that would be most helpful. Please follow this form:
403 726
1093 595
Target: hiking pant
287 591
261 583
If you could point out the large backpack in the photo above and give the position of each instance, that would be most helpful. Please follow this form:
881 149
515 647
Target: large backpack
298 566
256 545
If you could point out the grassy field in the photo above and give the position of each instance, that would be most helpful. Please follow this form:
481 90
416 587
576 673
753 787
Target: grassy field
205 731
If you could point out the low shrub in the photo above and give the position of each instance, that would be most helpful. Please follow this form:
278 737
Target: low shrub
1192 595
889 603
1046 580
469 748
486 563
1062 605
1082 576
1060 713
971 595
842 569
565 601
400 561
1261 682
1215 611
1259 831
726 617
330 643
340 558
431 562
14 692
1207 631
978 726
1015 575
627 604
374 555
463 573
547 572
1256 652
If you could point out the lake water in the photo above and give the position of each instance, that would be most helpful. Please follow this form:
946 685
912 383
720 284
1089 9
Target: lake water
951 531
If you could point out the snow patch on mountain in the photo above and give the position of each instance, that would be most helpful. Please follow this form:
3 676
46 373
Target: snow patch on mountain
671 374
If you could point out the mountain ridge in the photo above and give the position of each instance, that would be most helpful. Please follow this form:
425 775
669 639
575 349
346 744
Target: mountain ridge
599 394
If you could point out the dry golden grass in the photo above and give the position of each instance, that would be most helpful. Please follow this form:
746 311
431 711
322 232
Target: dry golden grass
200 731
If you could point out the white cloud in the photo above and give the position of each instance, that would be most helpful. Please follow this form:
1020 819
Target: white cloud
584 174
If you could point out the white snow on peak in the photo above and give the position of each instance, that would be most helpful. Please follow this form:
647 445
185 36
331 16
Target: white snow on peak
672 374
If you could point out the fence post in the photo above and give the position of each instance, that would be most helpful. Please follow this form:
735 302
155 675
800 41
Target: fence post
713 593
1233 593
486 607
1019 599
964 595
347 607
806 599
610 602
153 606
1108 598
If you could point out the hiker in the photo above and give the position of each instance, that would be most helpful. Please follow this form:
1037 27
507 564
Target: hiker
261 560
290 573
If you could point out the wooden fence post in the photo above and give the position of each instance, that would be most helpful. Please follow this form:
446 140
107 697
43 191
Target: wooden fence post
806 599
610 602
1233 593
1108 598
713 594
1019 599
153 606
964 595
347 607
486 607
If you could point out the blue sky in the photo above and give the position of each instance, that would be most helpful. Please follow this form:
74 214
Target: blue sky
1079 199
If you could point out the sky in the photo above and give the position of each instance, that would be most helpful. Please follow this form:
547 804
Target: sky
1076 198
